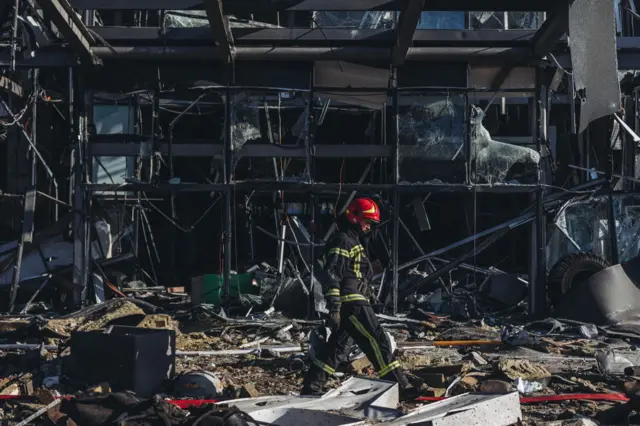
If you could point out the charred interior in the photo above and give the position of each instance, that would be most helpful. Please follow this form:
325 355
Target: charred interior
210 144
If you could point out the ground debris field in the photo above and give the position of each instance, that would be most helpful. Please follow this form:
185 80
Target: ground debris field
562 378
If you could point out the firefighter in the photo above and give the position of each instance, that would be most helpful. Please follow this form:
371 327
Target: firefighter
347 271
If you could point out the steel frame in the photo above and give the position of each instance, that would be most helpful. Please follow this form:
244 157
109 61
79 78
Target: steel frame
403 46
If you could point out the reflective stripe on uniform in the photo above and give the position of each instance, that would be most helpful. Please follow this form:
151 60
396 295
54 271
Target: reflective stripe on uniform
356 254
341 252
388 369
333 292
352 298
324 367
372 341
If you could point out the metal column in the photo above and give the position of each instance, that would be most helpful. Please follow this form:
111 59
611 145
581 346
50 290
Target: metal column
312 199
538 279
228 221
395 221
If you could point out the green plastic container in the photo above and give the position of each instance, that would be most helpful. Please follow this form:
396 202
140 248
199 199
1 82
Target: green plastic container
239 284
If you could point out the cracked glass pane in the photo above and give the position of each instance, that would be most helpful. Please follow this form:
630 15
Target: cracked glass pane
493 161
354 20
185 19
496 20
582 226
626 210
268 117
432 134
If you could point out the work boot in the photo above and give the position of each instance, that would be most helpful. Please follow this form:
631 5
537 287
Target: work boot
311 389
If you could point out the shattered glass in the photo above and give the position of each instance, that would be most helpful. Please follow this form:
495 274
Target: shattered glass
185 19
245 121
433 125
626 209
494 160
267 117
582 226
433 129
496 20
354 20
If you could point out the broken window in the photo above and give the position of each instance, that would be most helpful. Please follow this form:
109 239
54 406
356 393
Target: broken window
505 20
113 120
580 226
185 19
432 137
261 118
493 162
354 20
583 226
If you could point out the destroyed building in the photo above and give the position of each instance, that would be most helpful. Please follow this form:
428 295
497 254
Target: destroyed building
195 154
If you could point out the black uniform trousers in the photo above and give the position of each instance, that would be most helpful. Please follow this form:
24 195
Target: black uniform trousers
360 323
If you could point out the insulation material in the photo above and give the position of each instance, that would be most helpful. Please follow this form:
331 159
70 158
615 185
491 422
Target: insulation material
245 121
354 20
594 58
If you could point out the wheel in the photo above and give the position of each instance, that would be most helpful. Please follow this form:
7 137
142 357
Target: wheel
571 270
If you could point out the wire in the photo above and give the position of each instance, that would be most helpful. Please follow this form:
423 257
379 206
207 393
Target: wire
176 224
553 58
335 206
295 243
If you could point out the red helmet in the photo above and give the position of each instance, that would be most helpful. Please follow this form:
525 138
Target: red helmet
362 208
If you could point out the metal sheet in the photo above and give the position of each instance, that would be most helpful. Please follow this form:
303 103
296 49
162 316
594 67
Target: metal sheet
593 55
468 410
255 6
608 297
337 37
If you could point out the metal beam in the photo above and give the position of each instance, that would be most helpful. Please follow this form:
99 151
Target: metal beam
258 150
220 28
552 30
303 187
306 54
407 24
336 37
245 7
71 27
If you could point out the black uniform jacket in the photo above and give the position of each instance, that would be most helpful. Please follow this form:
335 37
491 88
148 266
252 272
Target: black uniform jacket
347 270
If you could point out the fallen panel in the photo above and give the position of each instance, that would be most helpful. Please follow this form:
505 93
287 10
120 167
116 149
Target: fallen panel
607 298
355 400
467 410
594 58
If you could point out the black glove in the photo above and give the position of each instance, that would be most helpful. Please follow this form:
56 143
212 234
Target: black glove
333 321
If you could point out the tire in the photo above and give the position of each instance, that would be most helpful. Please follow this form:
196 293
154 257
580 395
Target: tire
570 271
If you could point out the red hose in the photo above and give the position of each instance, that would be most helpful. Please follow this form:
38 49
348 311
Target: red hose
554 398
187 403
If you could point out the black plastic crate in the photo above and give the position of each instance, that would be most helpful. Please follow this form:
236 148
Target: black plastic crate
128 358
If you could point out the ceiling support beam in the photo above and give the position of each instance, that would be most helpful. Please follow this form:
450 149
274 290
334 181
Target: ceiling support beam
220 28
72 28
552 30
407 24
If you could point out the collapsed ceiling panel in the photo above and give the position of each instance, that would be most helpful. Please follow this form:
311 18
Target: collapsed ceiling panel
592 29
